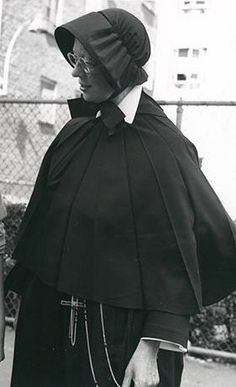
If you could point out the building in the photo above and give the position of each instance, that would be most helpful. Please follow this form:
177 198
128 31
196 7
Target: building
196 60
30 63
32 68
196 57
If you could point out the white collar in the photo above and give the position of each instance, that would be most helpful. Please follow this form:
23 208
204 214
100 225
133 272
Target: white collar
129 104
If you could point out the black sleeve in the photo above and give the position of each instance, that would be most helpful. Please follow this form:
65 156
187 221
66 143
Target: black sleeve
167 326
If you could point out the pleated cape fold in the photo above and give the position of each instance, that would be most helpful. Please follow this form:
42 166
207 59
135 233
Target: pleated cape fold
129 219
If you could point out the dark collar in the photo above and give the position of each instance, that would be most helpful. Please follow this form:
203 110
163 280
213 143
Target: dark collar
111 115
81 108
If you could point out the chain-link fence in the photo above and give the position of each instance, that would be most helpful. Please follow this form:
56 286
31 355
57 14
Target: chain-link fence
26 130
215 327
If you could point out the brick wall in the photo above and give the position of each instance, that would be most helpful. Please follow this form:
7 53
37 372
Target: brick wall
35 54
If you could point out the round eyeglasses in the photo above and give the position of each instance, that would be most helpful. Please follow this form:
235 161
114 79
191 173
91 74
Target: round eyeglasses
74 60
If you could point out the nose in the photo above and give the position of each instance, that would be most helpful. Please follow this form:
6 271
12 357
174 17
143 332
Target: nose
77 71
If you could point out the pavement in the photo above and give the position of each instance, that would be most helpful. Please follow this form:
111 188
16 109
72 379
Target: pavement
5 366
201 373
197 373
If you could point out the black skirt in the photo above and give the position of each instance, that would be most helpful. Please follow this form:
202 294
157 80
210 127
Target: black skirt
46 357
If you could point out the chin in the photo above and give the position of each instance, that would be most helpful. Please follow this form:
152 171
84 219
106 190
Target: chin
89 98
94 98
86 97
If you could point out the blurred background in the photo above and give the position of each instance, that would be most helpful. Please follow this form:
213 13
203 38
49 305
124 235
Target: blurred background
192 76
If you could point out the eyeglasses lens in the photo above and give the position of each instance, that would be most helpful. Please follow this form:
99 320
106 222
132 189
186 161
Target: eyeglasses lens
71 59
81 61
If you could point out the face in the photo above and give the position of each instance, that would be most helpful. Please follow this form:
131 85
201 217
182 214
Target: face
93 84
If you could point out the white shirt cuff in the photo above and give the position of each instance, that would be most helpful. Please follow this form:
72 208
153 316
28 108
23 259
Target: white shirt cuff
168 345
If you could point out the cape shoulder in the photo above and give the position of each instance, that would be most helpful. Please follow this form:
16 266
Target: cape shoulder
151 118
49 163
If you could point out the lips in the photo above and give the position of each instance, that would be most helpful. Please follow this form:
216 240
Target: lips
84 87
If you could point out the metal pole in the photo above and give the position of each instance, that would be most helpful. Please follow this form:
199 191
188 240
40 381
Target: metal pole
212 353
32 101
179 114
8 57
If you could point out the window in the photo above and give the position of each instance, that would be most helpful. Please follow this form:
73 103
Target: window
190 5
181 77
195 53
54 11
47 112
180 80
51 15
190 52
194 81
187 80
199 52
183 52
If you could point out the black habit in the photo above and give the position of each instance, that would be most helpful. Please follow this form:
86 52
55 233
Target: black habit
140 211
44 357
121 216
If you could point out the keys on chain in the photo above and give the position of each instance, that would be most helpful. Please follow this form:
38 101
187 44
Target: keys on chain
74 305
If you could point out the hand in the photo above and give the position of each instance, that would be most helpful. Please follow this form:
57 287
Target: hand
142 368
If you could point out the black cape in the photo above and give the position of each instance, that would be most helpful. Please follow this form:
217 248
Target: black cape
128 219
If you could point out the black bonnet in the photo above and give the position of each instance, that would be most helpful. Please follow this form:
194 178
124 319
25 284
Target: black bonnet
115 39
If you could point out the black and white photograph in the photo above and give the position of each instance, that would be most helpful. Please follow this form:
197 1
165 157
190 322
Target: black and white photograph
117 193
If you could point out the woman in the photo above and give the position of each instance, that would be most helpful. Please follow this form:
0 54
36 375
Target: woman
123 237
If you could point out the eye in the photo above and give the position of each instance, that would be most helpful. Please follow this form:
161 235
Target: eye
86 62
89 63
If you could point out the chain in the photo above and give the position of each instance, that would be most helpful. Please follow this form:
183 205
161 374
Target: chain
106 346
88 345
